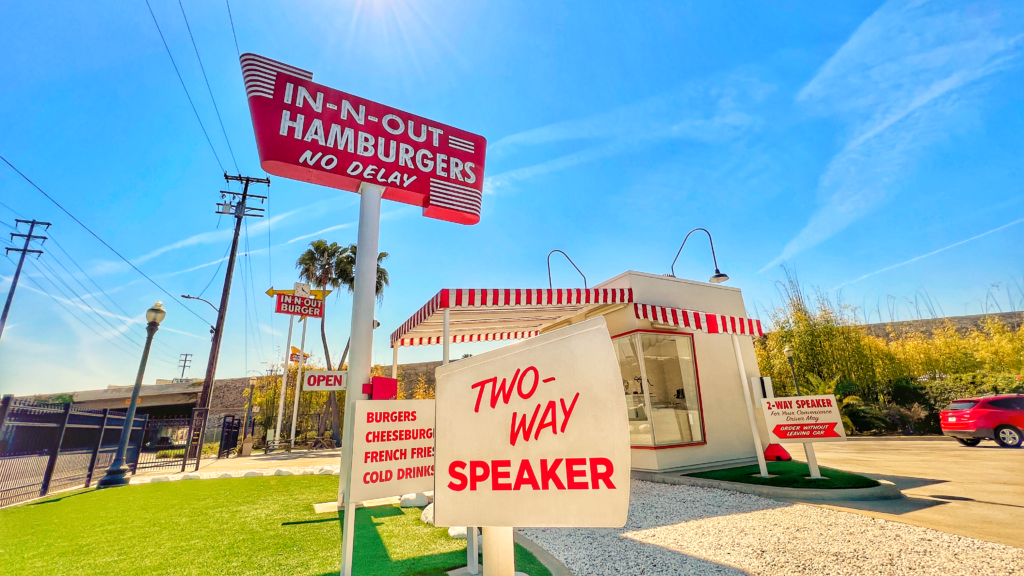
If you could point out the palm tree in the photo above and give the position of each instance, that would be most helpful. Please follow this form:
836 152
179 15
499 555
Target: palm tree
332 266
383 280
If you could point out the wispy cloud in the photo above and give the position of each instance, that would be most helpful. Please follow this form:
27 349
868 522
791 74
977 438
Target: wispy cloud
328 229
210 237
932 253
900 83
714 110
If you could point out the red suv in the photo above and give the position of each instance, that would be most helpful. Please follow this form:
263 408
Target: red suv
999 418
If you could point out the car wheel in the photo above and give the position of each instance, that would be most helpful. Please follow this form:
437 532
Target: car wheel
1008 437
969 441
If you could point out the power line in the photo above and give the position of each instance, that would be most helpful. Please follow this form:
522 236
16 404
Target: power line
70 313
40 265
248 262
94 235
212 99
187 95
215 272
82 302
94 283
232 20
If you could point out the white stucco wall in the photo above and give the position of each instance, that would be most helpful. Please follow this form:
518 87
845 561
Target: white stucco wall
726 425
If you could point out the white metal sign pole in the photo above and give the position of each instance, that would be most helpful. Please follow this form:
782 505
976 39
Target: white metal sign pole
284 379
472 554
812 460
750 407
298 376
363 297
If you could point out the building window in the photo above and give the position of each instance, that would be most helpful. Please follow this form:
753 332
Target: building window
659 378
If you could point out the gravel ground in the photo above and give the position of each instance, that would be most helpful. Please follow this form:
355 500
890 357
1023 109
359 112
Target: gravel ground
691 530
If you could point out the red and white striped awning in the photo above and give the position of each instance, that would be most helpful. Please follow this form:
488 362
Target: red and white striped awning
481 315
706 322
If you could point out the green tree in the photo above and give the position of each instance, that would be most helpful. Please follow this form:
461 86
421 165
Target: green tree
331 266
324 266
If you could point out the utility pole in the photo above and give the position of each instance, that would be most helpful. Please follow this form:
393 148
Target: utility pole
21 261
240 211
184 362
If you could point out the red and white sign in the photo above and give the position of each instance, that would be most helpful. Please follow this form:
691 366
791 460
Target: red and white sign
323 381
393 448
534 434
804 419
309 132
299 306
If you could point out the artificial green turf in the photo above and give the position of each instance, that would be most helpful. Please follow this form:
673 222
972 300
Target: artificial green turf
224 527
790 475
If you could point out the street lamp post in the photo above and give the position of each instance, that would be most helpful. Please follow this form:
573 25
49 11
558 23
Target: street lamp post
115 474
812 459
788 351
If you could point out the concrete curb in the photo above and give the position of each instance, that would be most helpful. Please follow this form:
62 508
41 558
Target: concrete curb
934 438
887 490
554 565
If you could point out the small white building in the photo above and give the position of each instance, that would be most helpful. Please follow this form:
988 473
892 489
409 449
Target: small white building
680 345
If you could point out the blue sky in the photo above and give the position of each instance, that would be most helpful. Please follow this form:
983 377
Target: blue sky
846 141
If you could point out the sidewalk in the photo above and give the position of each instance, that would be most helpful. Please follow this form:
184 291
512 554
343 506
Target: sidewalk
260 461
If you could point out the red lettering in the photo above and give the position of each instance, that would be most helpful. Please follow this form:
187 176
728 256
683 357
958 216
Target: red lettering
482 385
413 419
369 417
497 473
501 391
519 386
553 424
525 476
478 472
597 476
567 412
571 473
550 475
522 427
455 471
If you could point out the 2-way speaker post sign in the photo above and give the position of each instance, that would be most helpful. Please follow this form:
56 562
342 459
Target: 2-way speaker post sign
533 434
310 132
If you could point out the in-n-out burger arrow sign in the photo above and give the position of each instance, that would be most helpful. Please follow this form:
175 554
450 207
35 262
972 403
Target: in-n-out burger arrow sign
298 306
309 132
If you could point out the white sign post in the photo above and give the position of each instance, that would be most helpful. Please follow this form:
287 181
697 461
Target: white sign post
804 419
394 448
532 434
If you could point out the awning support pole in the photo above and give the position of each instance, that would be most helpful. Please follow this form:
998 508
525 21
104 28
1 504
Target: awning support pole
394 363
750 407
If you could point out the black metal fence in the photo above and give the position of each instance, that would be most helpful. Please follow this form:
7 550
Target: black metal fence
50 447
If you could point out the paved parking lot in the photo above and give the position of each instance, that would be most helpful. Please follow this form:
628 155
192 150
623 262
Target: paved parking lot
976 492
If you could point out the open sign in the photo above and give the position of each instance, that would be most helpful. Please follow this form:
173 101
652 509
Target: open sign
323 381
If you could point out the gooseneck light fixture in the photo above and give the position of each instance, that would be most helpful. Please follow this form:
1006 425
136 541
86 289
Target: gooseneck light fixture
718 277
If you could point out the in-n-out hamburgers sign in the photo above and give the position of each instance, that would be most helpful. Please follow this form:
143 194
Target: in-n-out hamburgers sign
309 132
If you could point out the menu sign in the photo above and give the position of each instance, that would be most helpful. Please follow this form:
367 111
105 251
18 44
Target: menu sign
393 450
